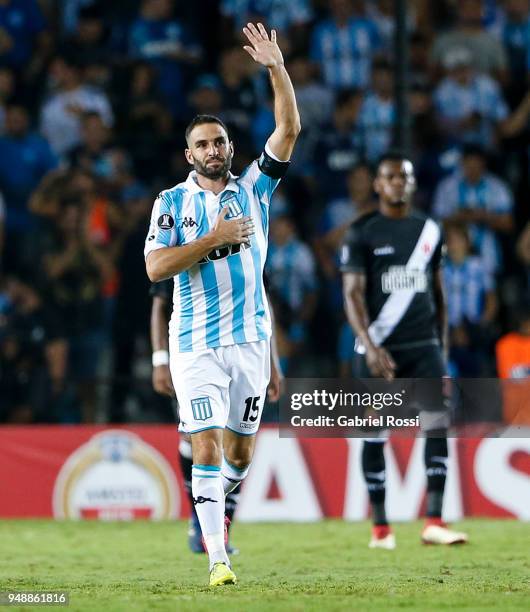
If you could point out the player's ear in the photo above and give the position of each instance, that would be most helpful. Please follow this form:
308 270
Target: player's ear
189 156
377 186
231 145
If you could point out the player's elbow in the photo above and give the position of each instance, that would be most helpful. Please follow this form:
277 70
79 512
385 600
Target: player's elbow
153 269
294 127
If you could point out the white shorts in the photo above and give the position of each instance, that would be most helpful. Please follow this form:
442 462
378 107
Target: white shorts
221 387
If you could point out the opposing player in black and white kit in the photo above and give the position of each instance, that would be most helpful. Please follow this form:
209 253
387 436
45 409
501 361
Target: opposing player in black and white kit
394 302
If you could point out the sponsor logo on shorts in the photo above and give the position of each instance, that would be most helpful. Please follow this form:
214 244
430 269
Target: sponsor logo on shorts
201 408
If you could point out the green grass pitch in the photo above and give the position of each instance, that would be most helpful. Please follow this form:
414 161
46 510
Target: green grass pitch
295 567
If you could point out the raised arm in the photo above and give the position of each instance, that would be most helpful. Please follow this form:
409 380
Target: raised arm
266 52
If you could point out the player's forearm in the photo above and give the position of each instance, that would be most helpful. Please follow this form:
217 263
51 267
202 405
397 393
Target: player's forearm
159 325
357 315
286 114
167 262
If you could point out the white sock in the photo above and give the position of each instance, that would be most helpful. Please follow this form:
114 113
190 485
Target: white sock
209 502
232 476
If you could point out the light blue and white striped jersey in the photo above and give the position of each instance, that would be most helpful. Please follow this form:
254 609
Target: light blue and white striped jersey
221 300
345 54
454 101
376 123
454 193
466 285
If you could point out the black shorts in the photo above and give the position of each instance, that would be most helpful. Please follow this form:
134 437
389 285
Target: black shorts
420 362
424 368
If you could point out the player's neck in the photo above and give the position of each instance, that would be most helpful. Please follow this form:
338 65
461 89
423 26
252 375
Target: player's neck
394 211
213 185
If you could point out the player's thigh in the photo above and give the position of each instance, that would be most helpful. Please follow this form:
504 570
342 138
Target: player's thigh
425 368
250 371
201 386
422 362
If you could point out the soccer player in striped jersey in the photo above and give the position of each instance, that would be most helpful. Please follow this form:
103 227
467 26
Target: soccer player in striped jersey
210 234
160 312
392 284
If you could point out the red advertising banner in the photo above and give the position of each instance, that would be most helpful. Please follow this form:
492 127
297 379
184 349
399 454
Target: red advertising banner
126 473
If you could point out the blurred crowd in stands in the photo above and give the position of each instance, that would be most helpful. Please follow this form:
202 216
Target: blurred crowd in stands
94 97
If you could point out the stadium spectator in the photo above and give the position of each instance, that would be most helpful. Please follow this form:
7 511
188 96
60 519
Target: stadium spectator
332 227
290 18
344 45
377 115
469 105
486 52
95 153
89 43
30 355
471 304
22 33
165 42
25 157
61 113
382 13
482 201
75 270
515 36
513 350
518 123
239 96
436 156
338 149
133 303
513 362
523 253
315 103
145 124
290 268
7 90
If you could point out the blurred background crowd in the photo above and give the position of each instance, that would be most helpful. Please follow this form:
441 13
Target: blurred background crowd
94 97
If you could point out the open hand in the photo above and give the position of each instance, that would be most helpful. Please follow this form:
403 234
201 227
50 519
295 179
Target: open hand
380 363
264 51
232 231
162 381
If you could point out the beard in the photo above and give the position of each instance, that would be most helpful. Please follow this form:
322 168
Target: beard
210 172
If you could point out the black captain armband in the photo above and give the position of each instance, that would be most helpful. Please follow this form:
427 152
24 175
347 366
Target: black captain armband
273 168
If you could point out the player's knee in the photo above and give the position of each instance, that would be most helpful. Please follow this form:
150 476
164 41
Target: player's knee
207 450
240 462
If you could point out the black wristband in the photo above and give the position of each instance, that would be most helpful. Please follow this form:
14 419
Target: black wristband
272 167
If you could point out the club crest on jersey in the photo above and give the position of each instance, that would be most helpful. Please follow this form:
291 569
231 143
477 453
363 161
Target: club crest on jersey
234 207
165 222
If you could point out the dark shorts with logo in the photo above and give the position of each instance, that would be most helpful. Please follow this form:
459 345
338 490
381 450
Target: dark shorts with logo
424 369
